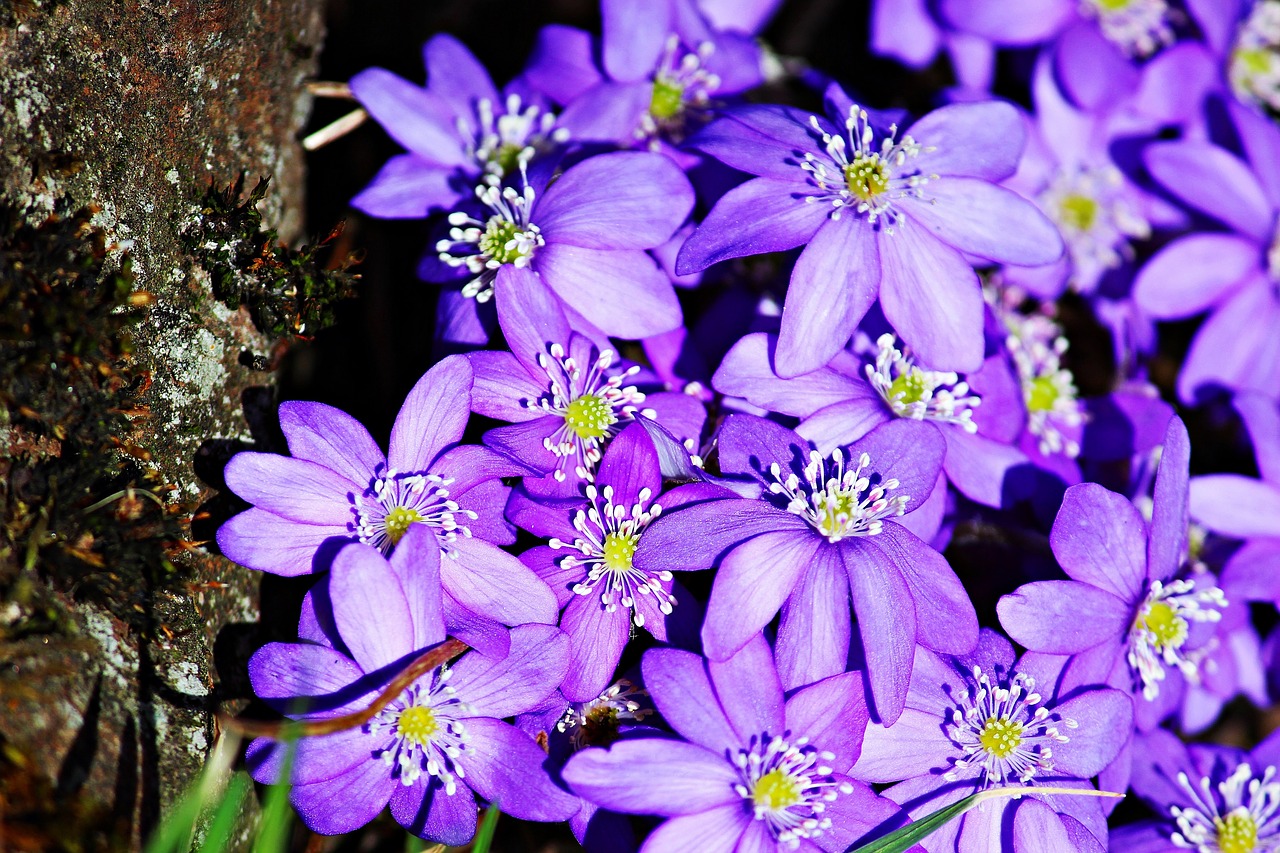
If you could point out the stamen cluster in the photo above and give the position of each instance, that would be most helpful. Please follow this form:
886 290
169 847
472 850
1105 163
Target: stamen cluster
425 730
787 788
1238 815
841 503
610 535
682 89
595 723
506 143
1096 219
1160 630
394 501
870 178
919 394
594 406
483 247
1139 27
1003 731
1036 345
1254 69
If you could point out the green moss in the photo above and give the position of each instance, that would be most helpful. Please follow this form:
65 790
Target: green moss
286 291
78 505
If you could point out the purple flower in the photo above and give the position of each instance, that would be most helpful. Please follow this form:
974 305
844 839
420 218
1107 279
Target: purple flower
566 399
987 720
912 32
822 529
846 399
433 746
659 69
338 485
589 563
1232 274
1209 798
460 132
1245 38
755 770
582 237
1127 616
882 216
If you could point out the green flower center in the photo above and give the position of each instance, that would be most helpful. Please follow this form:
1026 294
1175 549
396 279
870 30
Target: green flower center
600 728
500 242
1001 736
667 99
506 158
1167 629
1112 5
417 724
398 521
619 548
1079 212
1042 395
775 790
912 385
1237 832
867 176
589 416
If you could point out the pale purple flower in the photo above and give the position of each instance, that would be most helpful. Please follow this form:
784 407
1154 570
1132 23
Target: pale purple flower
756 770
987 720
433 748
882 215
338 486
823 530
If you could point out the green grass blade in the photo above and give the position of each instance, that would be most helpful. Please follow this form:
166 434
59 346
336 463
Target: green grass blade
484 835
173 835
901 840
277 815
218 835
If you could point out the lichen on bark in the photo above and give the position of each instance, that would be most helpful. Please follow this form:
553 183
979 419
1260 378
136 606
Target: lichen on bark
132 107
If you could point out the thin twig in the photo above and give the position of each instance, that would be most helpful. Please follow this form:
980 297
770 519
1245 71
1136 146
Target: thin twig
335 130
330 89
424 663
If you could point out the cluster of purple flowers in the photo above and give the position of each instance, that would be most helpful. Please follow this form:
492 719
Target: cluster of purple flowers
752 374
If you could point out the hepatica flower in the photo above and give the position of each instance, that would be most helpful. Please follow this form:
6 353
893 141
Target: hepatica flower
883 212
582 236
823 528
590 561
754 770
338 485
986 720
1126 615
1211 799
460 132
434 747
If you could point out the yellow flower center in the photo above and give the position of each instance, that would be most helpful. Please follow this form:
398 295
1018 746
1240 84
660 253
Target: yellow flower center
912 385
1043 394
1001 736
1168 630
1079 212
867 176
398 521
499 241
775 790
589 416
507 157
619 548
1237 832
417 724
1112 5
667 99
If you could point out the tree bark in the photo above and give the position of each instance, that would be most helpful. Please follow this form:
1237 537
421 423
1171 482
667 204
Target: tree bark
134 107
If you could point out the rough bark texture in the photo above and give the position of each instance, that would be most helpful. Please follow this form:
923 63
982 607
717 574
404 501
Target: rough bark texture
134 106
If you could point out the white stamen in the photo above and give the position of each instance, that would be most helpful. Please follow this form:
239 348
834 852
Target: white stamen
1138 27
787 787
1241 813
1160 630
393 501
426 731
922 395
843 504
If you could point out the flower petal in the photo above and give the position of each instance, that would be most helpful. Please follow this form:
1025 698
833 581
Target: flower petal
887 623
682 690
369 607
293 488
1193 273
832 714
749 690
505 767
409 187
1213 181
345 802
419 120
945 618
330 437
267 542
433 416
834 282
1063 617
762 139
487 580
1100 539
763 215
814 634
427 811
980 140
416 564
530 672
625 293
630 466
753 581
597 638
983 219
1168 535
653 776
456 75
1236 506
716 830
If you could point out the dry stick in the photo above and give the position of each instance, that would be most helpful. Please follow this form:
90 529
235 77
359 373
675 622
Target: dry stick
330 89
424 663
334 130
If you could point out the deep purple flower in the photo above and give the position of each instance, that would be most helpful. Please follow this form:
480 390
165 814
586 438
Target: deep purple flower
338 485
589 563
913 32
1233 274
1244 38
583 236
822 529
565 397
987 720
881 216
460 132
756 770
1210 798
658 70
441 740
1128 616
978 415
